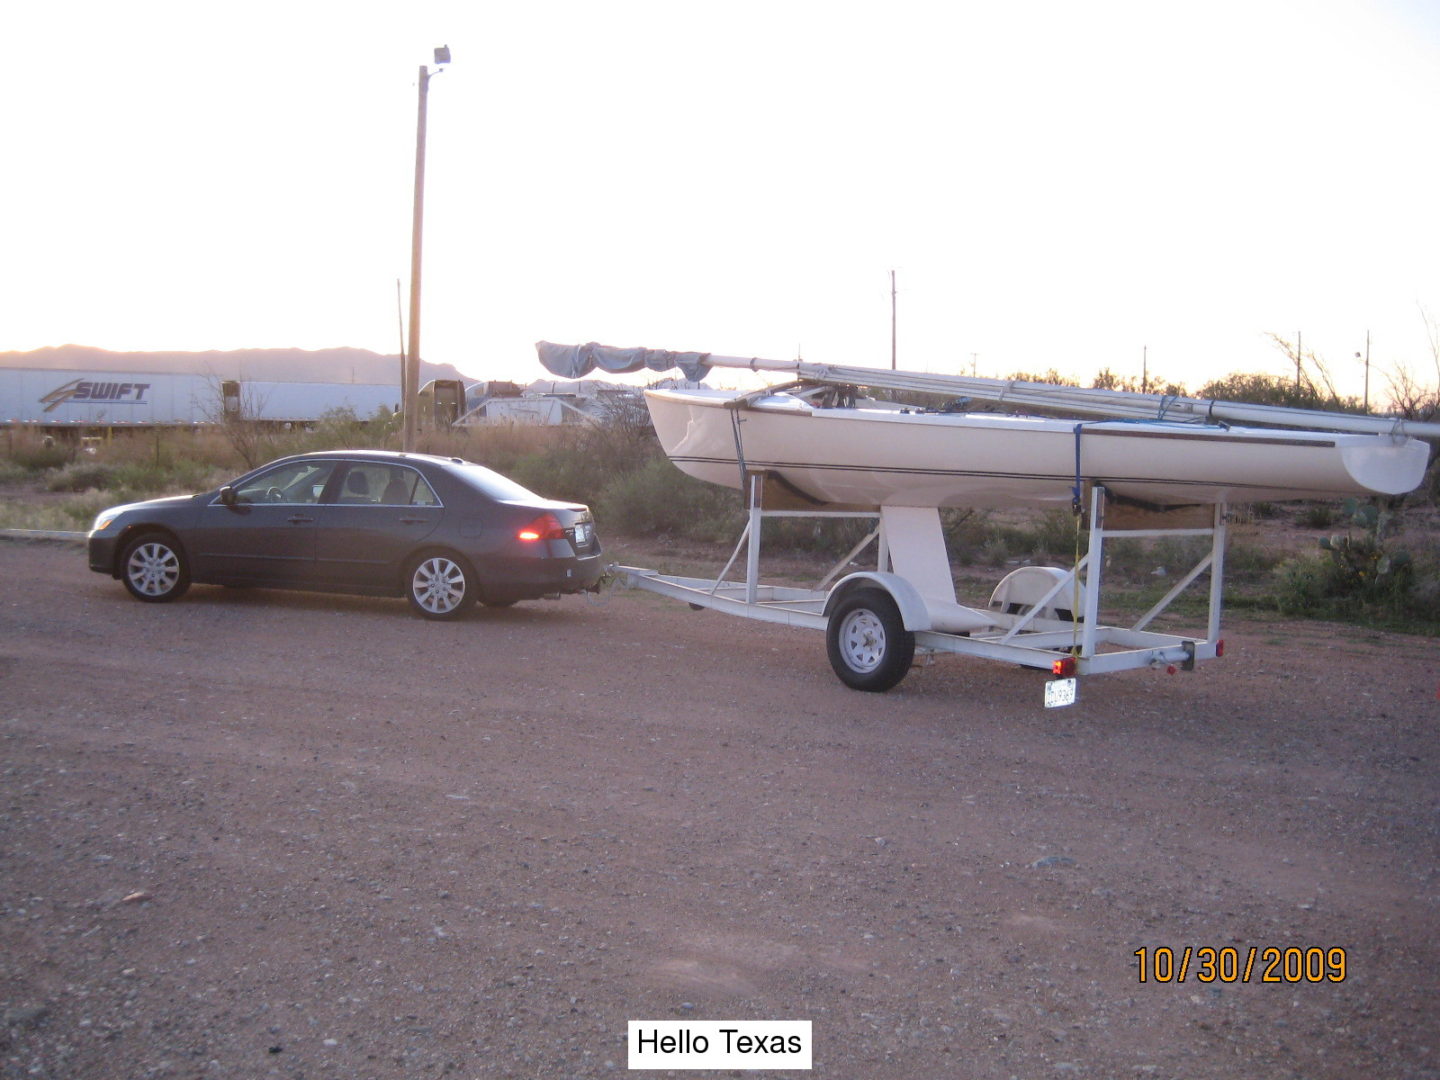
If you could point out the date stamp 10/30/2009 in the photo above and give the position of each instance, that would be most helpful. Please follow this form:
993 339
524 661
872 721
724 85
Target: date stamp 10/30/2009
1254 963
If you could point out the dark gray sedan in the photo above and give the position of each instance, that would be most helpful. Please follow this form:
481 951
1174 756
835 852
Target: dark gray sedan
442 532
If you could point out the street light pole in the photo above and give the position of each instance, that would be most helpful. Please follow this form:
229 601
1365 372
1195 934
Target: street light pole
417 228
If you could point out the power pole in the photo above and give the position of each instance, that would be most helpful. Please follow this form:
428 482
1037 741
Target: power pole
417 229
1367 371
400 320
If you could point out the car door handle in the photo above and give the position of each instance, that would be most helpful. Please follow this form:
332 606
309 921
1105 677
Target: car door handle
412 521
299 519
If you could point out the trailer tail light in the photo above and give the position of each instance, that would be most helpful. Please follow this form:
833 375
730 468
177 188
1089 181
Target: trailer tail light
545 527
1220 648
1064 667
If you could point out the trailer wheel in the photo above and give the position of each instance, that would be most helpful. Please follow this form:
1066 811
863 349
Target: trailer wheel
869 647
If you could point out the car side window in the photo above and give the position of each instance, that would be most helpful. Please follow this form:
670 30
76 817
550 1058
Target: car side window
296 482
376 484
421 494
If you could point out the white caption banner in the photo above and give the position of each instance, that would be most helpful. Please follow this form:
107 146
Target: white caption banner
719 1044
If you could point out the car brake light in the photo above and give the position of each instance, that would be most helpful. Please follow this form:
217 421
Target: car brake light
545 527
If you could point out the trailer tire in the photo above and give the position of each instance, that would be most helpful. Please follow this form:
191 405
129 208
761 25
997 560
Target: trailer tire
869 647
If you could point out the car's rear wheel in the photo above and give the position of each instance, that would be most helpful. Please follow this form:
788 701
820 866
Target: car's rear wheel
154 568
440 586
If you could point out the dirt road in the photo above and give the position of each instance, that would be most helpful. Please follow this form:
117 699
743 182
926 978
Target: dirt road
259 834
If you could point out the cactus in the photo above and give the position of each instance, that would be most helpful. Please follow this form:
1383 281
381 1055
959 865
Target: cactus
1360 566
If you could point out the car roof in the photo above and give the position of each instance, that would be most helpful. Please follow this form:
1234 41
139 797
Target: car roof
383 455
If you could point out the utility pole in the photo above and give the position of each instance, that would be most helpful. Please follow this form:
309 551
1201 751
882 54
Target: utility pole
400 321
417 228
1367 371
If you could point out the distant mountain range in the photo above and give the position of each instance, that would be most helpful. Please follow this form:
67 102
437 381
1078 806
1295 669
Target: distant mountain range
339 365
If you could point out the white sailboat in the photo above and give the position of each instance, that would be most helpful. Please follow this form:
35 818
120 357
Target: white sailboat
871 453
829 445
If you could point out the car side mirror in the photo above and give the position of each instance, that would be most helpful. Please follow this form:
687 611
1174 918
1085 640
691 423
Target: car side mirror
227 495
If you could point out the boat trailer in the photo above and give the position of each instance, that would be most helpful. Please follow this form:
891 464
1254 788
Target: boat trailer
1046 618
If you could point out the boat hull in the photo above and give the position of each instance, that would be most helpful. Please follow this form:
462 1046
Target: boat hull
886 456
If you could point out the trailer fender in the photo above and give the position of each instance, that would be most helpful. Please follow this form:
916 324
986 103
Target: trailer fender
913 611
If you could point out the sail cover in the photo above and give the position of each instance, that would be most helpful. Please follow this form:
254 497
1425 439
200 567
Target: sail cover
577 361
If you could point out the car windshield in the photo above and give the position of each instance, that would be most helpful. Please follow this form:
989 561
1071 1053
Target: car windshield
492 483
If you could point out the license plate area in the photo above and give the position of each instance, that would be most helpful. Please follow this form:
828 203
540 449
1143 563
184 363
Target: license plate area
1060 692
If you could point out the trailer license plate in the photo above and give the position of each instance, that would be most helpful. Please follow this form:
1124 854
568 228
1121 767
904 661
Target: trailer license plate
1059 692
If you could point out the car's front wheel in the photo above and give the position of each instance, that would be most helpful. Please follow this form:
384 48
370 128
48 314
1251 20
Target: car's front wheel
154 569
440 586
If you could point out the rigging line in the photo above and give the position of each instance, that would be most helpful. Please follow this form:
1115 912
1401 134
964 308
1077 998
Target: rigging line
1077 508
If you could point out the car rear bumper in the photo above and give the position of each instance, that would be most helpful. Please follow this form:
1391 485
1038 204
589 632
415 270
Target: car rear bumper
528 579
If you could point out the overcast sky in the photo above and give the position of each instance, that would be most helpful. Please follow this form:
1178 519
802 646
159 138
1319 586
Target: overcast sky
1054 183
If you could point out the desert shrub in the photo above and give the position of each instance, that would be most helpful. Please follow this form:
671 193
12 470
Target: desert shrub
820 536
342 429
1339 588
1053 536
979 537
965 534
188 451
1263 389
37 456
82 475
995 551
1317 516
499 446
658 499
74 514
560 473
139 478
579 461
1247 562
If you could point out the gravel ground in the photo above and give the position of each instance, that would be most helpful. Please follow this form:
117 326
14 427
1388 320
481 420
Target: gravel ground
258 834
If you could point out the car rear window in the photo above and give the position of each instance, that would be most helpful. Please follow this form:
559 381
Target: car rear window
491 483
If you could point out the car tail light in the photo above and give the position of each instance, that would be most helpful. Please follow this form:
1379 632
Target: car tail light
544 527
